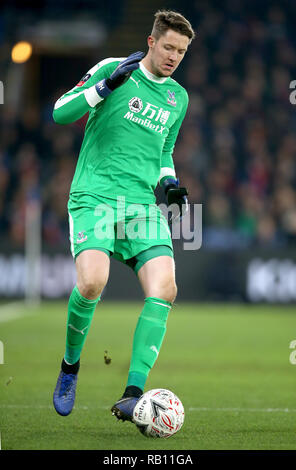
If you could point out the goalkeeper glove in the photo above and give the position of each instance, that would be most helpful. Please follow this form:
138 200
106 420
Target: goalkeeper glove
120 75
176 196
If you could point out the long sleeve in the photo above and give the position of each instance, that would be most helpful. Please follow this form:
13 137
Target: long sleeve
83 97
167 163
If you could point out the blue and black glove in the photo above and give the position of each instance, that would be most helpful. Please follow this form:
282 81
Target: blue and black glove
177 196
120 75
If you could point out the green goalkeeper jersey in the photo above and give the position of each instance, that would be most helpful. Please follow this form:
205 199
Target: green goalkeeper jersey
129 136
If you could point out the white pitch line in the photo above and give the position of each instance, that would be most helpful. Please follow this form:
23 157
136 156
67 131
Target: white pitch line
231 410
11 311
248 410
15 310
49 407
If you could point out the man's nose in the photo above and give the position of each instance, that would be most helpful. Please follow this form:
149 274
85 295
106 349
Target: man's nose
173 56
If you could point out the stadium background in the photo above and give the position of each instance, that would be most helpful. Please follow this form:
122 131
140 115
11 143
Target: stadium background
235 152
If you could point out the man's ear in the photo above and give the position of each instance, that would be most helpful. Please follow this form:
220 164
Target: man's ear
151 41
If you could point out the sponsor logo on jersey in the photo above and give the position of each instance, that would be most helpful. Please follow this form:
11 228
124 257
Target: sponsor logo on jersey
155 117
144 122
171 98
135 104
84 79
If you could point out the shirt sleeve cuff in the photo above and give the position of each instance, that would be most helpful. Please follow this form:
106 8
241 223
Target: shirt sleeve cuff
92 96
166 172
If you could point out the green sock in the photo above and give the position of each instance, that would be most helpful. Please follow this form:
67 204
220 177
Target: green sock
148 338
80 314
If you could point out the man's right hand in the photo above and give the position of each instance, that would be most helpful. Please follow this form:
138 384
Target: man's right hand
120 75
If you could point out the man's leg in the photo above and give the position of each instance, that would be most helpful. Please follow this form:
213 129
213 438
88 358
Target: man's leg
157 278
92 267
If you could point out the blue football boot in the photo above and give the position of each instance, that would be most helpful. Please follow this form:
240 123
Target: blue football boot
64 394
123 408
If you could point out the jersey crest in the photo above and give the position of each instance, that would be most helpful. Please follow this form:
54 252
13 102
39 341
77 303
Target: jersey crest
171 98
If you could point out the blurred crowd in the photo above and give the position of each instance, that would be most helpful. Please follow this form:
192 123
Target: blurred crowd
236 152
237 149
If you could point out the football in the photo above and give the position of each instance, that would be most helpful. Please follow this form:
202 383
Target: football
159 413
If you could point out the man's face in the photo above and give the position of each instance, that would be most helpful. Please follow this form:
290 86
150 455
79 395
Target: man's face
167 52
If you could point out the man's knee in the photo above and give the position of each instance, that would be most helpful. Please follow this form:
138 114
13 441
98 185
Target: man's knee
171 292
166 290
90 288
92 273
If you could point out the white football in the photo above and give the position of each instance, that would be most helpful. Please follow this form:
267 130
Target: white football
159 413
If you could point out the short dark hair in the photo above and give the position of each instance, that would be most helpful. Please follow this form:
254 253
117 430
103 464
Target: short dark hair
169 19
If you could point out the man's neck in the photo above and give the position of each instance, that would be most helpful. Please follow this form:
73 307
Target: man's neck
147 70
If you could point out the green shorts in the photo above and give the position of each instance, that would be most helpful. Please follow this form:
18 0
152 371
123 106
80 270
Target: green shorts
131 233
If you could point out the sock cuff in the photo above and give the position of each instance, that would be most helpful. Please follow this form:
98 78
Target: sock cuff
83 300
156 309
70 368
157 301
137 379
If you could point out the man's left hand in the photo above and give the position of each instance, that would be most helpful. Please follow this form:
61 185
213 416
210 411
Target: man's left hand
177 196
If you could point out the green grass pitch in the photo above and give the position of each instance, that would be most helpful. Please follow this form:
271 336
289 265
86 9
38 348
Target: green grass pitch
229 364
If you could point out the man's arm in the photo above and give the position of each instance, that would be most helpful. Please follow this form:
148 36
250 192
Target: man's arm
168 179
94 87
83 97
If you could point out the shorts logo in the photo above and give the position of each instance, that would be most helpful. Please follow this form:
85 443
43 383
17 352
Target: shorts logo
81 237
135 104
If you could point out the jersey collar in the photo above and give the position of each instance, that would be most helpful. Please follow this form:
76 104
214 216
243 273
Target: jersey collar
151 76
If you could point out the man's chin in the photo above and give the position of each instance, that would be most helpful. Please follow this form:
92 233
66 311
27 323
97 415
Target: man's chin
165 72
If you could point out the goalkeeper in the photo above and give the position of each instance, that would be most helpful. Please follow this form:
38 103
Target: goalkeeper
135 113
